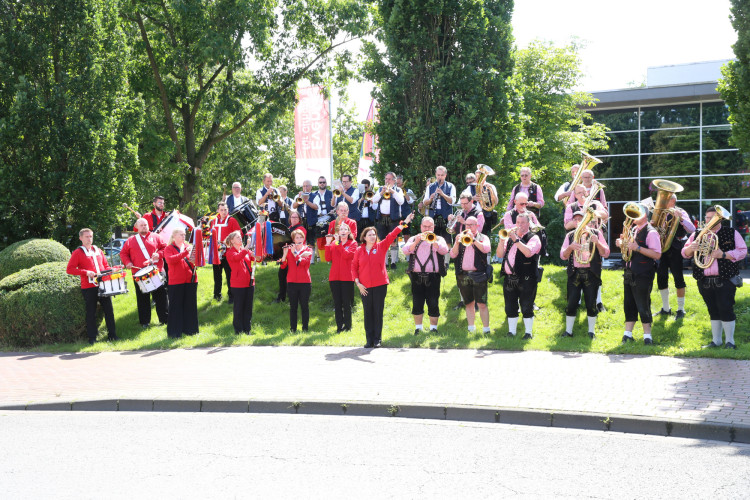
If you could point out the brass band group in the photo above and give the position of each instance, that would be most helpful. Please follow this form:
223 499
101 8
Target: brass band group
357 228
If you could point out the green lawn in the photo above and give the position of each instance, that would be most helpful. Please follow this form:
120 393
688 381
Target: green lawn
271 321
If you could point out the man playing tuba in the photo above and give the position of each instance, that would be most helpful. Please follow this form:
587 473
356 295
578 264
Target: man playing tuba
584 249
671 261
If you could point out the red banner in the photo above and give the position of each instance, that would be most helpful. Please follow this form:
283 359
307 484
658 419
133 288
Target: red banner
370 151
312 136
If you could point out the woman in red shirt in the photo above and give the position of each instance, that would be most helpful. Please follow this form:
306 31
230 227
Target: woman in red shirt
296 259
370 276
295 222
242 282
182 289
340 248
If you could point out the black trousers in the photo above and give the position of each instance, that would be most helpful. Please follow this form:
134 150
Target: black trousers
143 300
637 296
373 305
299 293
671 261
384 226
440 229
425 288
362 224
343 298
217 278
90 298
183 310
283 271
243 308
718 294
583 280
519 291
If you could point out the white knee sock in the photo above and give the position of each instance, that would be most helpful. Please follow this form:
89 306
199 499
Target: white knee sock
528 323
394 255
728 331
664 299
592 322
569 322
599 296
512 325
716 331
681 304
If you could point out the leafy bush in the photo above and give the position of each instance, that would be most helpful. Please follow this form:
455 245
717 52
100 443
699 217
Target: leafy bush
29 253
41 305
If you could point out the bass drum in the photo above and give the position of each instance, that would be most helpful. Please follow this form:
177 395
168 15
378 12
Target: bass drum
245 214
281 237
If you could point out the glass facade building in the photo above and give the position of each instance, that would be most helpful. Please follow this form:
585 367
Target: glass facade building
680 133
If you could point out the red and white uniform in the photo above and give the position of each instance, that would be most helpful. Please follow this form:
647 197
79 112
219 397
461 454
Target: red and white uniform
150 219
180 272
137 250
349 222
241 263
298 265
82 260
369 267
220 229
340 256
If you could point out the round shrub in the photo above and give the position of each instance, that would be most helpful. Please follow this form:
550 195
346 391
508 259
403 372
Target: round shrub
28 253
41 305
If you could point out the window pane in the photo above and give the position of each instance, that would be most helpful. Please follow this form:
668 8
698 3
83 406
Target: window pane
736 186
691 187
622 190
723 162
686 115
616 166
715 113
621 143
670 165
716 138
668 140
617 120
691 207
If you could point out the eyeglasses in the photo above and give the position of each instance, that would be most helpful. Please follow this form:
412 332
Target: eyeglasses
523 204
322 182
470 224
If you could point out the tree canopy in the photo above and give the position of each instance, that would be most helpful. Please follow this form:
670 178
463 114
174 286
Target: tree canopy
735 86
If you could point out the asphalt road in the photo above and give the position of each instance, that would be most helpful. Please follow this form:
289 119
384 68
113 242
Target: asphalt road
198 455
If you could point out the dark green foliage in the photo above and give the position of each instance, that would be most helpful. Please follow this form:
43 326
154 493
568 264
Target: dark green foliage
29 253
442 85
735 86
41 305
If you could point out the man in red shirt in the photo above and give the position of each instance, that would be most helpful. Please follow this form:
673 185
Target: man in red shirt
87 261
139 251
155 216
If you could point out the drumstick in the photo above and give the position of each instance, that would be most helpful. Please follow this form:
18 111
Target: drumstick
134 212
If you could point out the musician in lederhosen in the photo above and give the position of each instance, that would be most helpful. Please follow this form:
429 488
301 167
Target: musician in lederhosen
638 278
142 250
471 271
490 216
408 205
718 282
671 262
87 261
307 210
389 199
285 205
577 206
322 202
264 197
564 192
426 268
533 190
468 209
439 199
522 248
583 277
520 202
367 214
221 226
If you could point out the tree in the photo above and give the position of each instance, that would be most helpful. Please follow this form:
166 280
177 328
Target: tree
347 139
212 68
441 84
67 120
735 84
550 126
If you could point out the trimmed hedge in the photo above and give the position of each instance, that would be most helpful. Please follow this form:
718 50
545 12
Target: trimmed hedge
41 305
29 253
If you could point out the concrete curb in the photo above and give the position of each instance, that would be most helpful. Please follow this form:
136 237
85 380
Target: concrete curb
466 413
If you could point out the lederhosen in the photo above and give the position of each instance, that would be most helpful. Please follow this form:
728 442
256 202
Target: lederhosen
383 224
586 280
638 281
441 215
425 287
671 261
472 284
273 212
718 292
519 287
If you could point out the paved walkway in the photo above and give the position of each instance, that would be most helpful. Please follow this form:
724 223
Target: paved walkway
702 392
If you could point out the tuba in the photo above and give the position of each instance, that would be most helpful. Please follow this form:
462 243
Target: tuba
665 220
587 162
633 211
487 192
585 237
707 239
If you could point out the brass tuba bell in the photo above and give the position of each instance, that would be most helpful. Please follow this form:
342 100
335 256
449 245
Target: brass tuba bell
665 220
487 192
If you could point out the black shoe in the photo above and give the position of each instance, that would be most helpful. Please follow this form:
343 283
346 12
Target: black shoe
648 342
600 307
217 298
231 300
527 336
626 339
566 334
679 315
292 330
511 334
276 300
460 305
145 325
112 338
304 328
417 331
433 332
729 345
393 266
712 345
662 312
237 332
91 341
377 344
368 346
591 335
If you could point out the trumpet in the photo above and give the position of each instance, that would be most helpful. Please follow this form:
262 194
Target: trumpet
466 238
504 234
276 196
387 193
337 193
368 195
429 237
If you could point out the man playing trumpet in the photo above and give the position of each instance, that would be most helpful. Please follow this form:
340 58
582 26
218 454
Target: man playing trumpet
584 249
268 195
469 253
389 199
522 248
425 254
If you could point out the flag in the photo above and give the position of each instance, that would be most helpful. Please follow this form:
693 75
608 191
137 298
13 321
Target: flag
312 136
369 152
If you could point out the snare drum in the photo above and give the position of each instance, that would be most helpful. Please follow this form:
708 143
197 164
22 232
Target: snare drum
112 284
173 221
149 279
245 214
